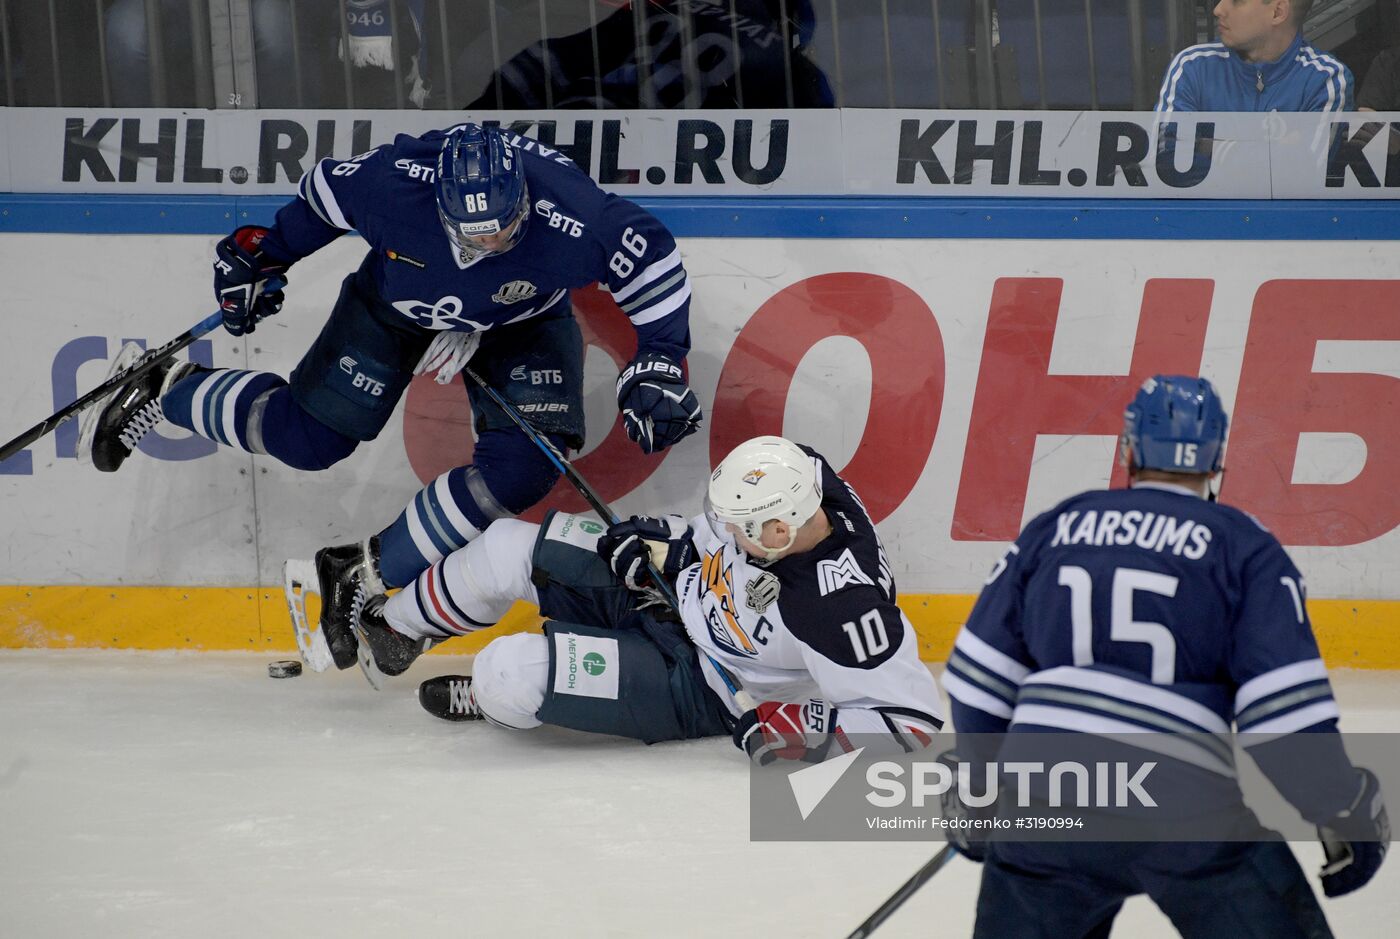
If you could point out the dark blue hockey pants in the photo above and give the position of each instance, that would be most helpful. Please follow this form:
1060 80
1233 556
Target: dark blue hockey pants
1238 890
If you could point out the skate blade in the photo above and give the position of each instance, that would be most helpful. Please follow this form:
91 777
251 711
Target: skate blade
366 659
299 582
127 356
367 664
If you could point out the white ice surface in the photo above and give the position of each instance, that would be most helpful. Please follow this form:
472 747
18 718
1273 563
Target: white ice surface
191 795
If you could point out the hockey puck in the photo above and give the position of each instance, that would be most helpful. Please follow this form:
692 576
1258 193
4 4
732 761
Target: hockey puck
287 668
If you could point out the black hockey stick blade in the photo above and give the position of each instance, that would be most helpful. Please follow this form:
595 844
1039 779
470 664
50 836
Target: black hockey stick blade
51 422
907 890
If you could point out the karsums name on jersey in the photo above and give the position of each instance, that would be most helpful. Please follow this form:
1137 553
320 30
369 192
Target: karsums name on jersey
1148 530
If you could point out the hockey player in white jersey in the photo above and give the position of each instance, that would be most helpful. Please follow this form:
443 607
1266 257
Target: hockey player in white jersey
782 581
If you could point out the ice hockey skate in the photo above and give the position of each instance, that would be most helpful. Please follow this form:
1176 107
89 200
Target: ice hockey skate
343 577
111 428
348 575
383 652
449 697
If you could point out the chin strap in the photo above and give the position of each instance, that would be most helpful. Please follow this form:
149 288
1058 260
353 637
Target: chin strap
772 554
1213 485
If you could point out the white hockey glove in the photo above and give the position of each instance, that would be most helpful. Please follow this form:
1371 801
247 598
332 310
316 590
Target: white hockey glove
449 353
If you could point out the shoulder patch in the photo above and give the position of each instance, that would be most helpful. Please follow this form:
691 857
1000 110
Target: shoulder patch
842 571
760 592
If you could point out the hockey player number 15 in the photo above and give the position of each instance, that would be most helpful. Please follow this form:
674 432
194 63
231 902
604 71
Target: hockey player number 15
1122 627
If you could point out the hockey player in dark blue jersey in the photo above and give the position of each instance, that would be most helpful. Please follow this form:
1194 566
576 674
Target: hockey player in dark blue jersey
1156 610
476 236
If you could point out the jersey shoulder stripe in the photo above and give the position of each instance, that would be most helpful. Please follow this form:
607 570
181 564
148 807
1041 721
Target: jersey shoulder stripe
1287 699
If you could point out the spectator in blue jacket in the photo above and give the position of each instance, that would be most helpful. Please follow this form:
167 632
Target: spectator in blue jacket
1261 63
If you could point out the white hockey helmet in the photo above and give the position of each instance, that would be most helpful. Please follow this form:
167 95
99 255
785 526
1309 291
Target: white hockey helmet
761 479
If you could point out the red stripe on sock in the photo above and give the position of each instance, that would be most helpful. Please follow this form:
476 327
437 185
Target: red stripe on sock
431 589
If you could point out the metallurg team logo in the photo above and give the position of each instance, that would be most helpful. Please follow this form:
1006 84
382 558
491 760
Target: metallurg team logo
515 291
720 613
833 575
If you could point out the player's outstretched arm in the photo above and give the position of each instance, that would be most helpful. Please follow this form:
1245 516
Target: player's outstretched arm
248 281
250 265
1287 720
648 280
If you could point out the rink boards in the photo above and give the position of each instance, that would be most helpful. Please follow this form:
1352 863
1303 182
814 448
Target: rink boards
963 385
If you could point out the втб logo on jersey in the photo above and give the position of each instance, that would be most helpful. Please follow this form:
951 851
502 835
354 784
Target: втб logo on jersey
720 614
444 314
514 292
570 226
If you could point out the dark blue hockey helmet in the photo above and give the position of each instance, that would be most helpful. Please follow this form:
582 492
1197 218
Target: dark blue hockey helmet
1175 423
481 190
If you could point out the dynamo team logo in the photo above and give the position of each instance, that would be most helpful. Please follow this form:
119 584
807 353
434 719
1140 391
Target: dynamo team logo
445 314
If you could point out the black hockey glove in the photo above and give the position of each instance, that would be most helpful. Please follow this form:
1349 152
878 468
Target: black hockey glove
658 408
792 731
628 546
964 832
1356 840
247 282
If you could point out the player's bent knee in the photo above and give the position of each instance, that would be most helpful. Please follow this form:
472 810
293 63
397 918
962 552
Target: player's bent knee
508 548
509 679
299 440
516 472
484 579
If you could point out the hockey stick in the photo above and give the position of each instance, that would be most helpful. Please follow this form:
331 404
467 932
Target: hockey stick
896 900
150 361
741 697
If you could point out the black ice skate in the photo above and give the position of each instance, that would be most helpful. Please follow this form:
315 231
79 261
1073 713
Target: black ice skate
450 698
388 651
348 575
112 427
